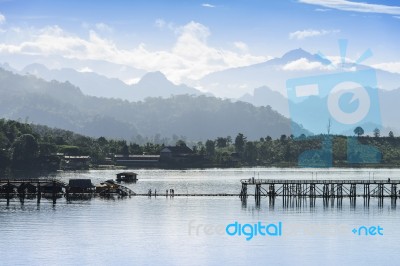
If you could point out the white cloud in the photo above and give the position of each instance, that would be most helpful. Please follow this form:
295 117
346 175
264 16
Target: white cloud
103 27
162 24
207 5
190 57
241 46
322 9
131 81
355 6
398 17
2 19
85 70
303 64
302 34
393 67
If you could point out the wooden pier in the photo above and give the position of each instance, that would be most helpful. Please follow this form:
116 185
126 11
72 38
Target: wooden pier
53 189
325 188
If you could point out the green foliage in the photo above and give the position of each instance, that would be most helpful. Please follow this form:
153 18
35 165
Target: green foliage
30 146
359 131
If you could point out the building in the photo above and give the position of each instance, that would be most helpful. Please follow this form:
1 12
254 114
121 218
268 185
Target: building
175 152
180 156
80 186
76 162
137 160
127 177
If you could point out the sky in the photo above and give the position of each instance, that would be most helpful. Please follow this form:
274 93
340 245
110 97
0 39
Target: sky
190 39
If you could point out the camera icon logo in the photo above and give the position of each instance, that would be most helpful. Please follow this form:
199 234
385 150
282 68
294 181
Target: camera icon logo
335 104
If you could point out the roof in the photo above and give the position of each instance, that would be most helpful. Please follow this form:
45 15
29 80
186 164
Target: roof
80 183
127 173
177 149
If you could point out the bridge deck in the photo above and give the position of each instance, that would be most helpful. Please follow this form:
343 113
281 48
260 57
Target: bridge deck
314 181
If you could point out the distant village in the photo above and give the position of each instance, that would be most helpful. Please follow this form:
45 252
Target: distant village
170 157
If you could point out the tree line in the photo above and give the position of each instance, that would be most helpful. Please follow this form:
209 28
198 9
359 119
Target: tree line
27 146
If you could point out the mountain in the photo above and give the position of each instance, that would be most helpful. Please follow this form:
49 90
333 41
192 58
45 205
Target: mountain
264 96
274 73
63 105
155 84
124 73
150 85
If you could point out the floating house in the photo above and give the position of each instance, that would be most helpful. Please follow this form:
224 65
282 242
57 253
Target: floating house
127 177
80 186
8 188
27 188
51 187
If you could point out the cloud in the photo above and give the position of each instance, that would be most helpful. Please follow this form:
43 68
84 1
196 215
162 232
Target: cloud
303 64
355 6
393 67
241 46
322 9
160 23
189 57
103 27
302 34
398 17
85 70
2 19
207 5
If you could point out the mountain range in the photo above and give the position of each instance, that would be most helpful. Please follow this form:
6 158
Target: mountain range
262 84
63 105
153 84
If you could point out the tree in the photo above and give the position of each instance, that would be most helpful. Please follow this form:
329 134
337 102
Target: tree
377 133
240 140
221 142
180 143
359 131
250 153
25 150
391 135
210 148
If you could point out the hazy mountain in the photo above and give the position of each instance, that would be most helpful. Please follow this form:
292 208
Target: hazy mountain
101 67
64 106
310 110
235 82
264 96
150 85
155 84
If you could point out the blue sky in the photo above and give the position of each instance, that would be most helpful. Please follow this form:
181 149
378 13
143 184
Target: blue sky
172 36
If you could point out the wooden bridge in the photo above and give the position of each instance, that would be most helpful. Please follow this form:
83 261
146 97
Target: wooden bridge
51 188
324 188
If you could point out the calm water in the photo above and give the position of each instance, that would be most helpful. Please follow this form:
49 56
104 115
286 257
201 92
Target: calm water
187 230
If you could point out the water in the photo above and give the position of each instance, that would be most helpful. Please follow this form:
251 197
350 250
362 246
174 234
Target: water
187 230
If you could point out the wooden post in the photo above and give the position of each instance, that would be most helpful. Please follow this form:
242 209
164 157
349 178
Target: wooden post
54 192
39 193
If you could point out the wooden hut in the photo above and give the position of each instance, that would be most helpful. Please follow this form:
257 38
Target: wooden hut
8 188
51 187
27 188
127 177
80 186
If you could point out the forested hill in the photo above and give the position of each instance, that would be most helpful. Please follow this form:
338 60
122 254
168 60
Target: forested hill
63 105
